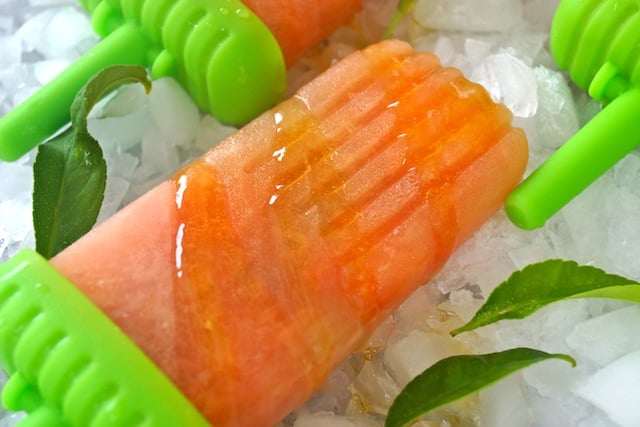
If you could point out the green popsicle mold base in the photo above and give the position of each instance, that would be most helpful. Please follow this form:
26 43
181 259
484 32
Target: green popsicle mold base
596 41
218 50
69 365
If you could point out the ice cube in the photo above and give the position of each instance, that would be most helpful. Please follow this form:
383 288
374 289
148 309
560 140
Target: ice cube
122 118
607 337
540 12
50 2
114 194
504 404
615 390
325 419
587 221
509 81
557 118
468 15
174 112
10 51
408 356
58 33
622 247
210 132
16 181
45 71
158 152
15 219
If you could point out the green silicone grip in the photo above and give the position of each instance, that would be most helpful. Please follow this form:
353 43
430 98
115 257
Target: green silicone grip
598 42
218 50
69 365
587 34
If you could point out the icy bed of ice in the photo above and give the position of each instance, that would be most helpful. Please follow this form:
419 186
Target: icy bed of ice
499 43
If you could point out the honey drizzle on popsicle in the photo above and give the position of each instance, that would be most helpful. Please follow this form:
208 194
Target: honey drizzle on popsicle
288 230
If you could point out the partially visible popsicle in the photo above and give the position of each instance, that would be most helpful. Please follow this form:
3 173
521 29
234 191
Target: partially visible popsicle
298 25
262 265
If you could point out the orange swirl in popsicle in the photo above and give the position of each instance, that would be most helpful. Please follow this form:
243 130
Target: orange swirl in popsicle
262 265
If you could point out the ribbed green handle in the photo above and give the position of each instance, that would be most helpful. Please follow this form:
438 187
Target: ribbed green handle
218 50
597 42
70 366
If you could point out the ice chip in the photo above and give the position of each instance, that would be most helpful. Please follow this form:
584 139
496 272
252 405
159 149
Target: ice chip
509 81
50 2
210 132
607 337
114 194
10 51
174 112
504 404
158 151
325 419
468 15
16 181
45 71
409 356
15 219
623 206
557 118
615 390
539 13
121 120
57 33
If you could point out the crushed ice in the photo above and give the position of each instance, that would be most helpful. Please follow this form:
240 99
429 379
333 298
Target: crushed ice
503 45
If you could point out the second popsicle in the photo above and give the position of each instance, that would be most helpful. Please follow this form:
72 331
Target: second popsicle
231 56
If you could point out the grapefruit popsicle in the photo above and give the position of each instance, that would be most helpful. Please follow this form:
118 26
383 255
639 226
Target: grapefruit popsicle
258 268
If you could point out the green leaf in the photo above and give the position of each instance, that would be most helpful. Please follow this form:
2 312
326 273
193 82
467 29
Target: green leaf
404 7
455 377
538 285
70 173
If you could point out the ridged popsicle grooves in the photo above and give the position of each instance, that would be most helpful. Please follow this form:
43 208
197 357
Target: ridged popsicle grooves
315 220
588 33
403 143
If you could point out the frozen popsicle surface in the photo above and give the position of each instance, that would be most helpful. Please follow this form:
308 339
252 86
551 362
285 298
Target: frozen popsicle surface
301 24
262 265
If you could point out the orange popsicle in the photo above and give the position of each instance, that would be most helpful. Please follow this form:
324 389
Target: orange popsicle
299 25
262 265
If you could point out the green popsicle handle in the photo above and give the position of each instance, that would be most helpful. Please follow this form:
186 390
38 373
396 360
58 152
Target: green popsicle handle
69 365
597 147
596 41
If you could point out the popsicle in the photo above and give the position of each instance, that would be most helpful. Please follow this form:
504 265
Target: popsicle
256 270
230 59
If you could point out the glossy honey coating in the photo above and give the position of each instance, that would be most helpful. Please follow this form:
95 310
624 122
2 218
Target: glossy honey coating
265 263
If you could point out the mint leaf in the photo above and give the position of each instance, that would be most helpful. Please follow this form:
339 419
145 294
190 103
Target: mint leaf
540 284
455 377
69 181
70 173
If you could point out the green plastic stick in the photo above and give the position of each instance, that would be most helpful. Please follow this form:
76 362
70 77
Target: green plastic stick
69 365
218 50
597 41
